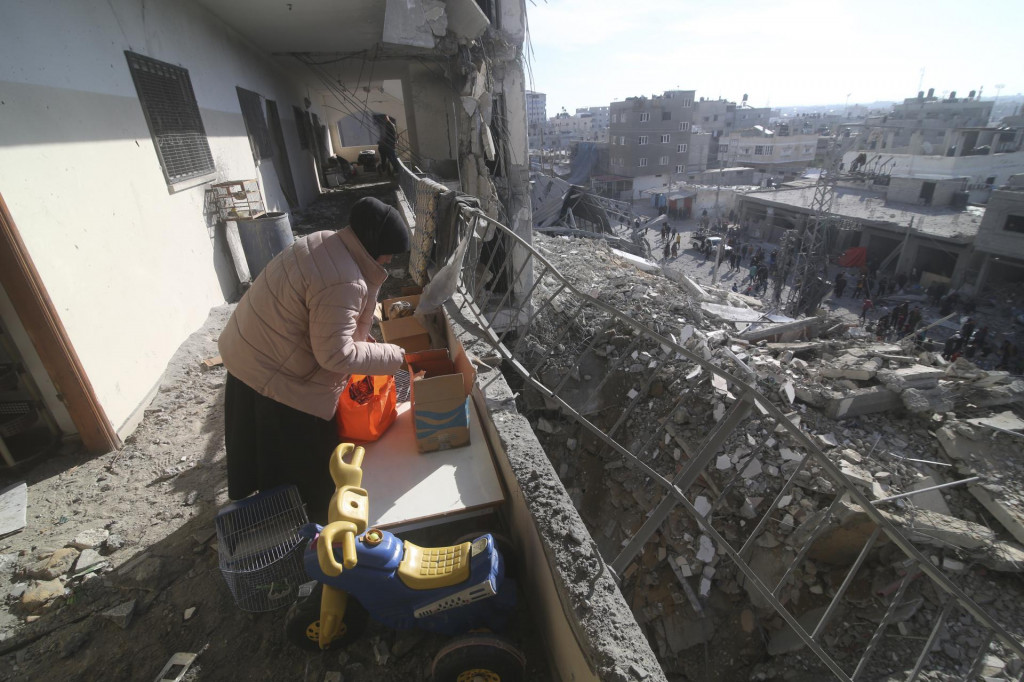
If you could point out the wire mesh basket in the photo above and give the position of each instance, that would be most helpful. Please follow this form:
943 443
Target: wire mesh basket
402 385
261 550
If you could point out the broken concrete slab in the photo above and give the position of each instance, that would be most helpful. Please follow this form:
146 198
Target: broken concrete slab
851 367
1005 421
920 401
862 401
915 376
931 500
994 396
994 459
728 313
786 331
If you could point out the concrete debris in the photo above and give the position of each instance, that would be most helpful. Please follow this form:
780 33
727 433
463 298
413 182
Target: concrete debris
875 410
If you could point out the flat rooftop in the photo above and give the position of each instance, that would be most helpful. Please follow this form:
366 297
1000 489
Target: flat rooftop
933 221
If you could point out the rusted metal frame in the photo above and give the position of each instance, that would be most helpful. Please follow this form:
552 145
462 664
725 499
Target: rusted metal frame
682 482
487 268
979 658
509 258
529 294
847 581
529 321
940 622
830 469
634 403
673 490
471 233
876 638
590 346
754 580
820 528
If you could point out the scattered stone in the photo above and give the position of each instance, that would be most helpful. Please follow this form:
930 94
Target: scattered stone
40 592
57 564
88 560
121 614
706 551
90 539
189 612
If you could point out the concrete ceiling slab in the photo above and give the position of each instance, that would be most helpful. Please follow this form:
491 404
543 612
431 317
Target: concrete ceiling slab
322 26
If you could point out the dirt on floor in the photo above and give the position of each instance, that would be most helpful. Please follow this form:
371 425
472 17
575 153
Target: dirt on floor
117 568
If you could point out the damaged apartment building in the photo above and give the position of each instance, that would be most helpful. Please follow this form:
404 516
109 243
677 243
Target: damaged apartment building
740 521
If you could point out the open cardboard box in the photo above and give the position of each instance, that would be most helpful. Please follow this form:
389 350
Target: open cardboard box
440 399
406 332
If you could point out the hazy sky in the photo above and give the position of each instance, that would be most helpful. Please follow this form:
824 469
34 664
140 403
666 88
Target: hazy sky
782 52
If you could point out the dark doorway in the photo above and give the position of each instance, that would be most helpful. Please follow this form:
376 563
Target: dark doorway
927 192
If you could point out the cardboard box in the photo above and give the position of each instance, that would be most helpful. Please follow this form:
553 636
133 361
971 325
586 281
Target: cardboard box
406 332
440 399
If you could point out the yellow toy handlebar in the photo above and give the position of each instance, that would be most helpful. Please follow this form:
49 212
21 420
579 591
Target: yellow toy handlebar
348 512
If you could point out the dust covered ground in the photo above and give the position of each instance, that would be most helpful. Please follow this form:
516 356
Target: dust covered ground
117 569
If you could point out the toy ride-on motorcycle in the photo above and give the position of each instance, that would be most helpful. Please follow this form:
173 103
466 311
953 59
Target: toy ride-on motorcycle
363 573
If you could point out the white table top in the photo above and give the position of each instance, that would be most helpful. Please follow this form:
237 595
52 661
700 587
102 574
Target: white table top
412 490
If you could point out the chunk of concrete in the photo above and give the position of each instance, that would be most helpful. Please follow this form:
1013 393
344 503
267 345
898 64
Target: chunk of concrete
915 376
862 401
932 400
851 367
931 500
39 593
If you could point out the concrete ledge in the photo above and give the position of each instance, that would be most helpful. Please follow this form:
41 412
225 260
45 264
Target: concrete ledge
590 630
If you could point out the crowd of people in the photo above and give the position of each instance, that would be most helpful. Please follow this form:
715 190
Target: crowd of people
761 264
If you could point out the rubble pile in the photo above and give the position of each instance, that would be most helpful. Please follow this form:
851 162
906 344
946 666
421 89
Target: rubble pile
892 420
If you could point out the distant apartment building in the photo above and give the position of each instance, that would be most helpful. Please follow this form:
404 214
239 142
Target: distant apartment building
536 108
920 124
720 117
780 156
937 140
649 139
596 128
536 116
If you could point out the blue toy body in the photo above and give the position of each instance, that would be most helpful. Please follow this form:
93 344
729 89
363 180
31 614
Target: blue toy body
483 600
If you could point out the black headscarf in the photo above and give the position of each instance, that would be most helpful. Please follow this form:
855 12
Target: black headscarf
379 227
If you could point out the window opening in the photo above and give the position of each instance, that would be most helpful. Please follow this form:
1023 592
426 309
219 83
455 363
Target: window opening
172 113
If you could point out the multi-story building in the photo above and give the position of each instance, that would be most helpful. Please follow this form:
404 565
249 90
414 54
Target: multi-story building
920 124
649 138
780 156
536 108
999 245
720 117
536 116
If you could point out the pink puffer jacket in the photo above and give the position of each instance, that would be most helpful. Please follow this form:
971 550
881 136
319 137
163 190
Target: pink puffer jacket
300 330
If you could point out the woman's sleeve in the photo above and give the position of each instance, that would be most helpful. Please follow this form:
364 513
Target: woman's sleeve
333 318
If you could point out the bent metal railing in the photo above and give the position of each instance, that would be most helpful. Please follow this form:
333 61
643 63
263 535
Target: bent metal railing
488 296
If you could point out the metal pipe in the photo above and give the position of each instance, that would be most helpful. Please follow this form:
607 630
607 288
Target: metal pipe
972 479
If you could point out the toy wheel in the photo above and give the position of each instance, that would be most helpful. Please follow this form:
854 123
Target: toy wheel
302 624
479 658
504 545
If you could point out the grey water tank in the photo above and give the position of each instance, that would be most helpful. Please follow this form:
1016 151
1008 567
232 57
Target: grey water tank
263 238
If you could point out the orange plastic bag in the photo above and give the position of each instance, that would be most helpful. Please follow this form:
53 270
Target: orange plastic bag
366 408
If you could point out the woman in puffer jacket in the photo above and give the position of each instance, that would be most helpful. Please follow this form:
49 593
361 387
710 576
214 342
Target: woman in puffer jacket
290 346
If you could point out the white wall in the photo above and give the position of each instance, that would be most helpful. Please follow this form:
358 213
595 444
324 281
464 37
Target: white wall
131 267
977 168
